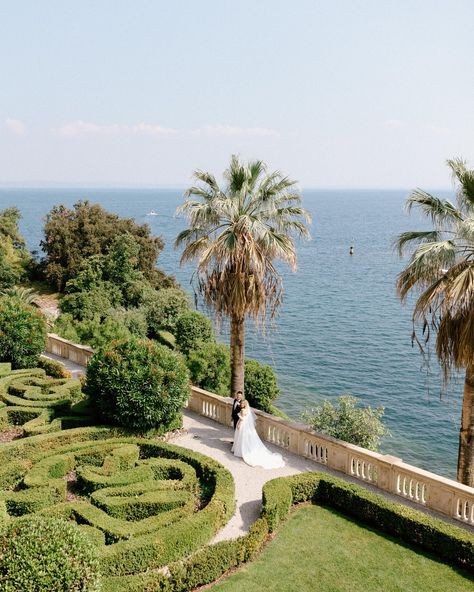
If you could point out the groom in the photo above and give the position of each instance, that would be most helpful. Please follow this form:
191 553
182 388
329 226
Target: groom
236 408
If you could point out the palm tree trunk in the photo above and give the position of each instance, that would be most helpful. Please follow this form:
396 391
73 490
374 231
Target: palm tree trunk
466 433
237 353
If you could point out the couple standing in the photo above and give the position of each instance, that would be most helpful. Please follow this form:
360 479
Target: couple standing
247 443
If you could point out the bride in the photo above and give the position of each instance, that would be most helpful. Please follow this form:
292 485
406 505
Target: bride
248 445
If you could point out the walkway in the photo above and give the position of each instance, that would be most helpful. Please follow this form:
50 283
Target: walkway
213 439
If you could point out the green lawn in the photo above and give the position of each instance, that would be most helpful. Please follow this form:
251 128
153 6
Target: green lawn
320 550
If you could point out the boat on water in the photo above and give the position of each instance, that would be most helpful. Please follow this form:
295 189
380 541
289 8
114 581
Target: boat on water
152 213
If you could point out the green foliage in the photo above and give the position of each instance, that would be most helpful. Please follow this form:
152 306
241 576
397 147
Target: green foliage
39 403
260 385
138 383
94 332
22 332
72 235
209 367
14 257
346 421
166 338
41 555
191 328
153 502
163 309
53 368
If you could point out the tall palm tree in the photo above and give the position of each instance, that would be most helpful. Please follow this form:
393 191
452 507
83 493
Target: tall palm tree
236 233
441 272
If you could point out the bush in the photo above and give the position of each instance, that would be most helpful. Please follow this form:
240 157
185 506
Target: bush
191 328
94 332
260 385
209 367
145 503
53 368
139 384
345 421
41 555
22 332
164 308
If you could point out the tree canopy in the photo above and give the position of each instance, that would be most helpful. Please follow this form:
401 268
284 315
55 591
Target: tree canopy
73 235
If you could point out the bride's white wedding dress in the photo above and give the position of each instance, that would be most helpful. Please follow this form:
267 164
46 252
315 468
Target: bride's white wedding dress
247 444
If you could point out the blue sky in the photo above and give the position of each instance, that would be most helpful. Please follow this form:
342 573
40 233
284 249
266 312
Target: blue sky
349 93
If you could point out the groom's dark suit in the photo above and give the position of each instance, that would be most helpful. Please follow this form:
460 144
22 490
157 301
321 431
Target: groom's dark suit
235 412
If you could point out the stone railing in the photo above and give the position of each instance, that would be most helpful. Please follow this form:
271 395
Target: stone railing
383 471
79 354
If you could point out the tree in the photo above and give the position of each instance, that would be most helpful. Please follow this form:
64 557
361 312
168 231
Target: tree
236 233
192 328
72 235
208 364
261 387
441 272
22 332
14 257
346 421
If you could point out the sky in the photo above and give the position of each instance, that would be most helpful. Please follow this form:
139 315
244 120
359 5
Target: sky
340 94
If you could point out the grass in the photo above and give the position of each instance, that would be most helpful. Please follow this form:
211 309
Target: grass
321 550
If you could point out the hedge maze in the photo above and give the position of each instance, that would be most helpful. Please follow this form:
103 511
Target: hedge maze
144 503
38 403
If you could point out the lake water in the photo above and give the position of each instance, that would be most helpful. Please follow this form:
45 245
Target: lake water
341 328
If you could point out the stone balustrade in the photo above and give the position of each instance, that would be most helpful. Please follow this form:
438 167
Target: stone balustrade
383 471
79 354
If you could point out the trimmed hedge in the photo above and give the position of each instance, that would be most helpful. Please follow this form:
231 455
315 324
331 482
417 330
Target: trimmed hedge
449 543
150 502
39 403
38 555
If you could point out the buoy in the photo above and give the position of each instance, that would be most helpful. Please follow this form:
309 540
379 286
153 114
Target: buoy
351 250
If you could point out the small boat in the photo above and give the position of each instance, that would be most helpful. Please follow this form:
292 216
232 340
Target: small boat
152 213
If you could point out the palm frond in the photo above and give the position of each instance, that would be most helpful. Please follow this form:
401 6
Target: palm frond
438 210
408 238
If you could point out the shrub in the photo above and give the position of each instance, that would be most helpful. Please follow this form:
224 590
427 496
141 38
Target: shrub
41 555
163 309
345 421
260 385
94 332
22 332
209 367
88 304
191 328
53 368
138 384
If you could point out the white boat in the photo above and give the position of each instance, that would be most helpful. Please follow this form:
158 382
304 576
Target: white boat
152 213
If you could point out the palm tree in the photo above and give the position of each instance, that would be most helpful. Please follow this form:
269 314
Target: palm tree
441 272
236 234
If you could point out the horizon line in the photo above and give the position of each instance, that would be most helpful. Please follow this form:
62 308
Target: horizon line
53 185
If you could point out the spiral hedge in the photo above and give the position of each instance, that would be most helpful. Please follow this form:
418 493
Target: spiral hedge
144 503
40 403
